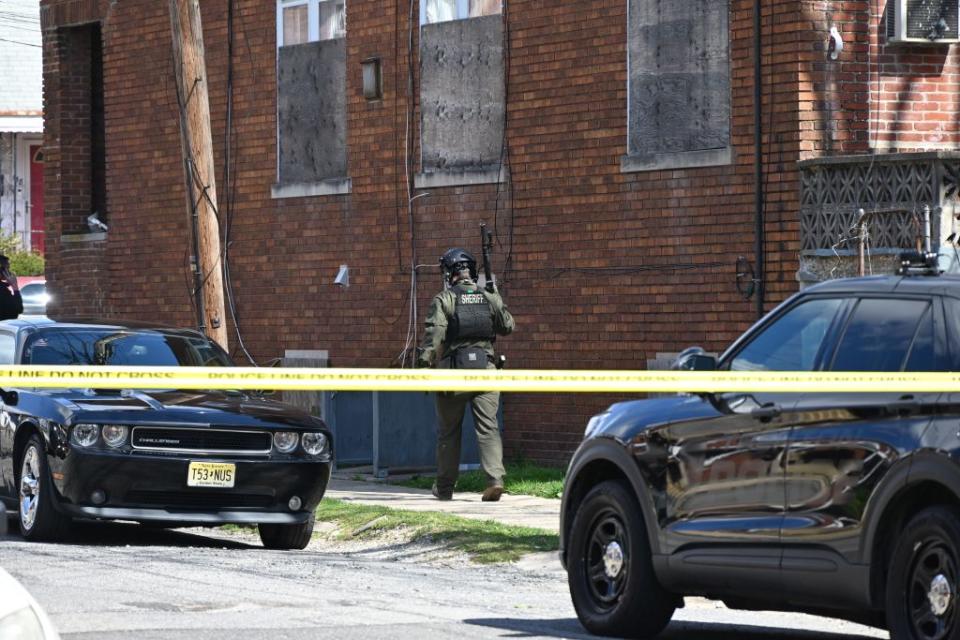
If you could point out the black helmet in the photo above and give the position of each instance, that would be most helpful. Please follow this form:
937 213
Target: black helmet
456 260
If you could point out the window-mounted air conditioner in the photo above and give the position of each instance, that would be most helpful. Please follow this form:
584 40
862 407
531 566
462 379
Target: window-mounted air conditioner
923 21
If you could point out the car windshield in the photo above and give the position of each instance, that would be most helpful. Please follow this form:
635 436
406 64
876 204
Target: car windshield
122 347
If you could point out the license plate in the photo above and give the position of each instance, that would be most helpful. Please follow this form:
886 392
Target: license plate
211 474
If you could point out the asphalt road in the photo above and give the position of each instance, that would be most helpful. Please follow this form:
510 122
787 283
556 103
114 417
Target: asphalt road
125 581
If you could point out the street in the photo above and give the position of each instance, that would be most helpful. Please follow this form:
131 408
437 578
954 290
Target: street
122 580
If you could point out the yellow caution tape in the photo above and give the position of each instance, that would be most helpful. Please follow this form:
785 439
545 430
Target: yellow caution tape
527 381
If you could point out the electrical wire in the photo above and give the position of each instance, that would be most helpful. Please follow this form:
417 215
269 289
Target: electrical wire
230 191
553 274
412 317
396 129
196 292
507 60
25 44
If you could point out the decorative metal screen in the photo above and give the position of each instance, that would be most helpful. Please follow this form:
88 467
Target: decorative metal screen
833 190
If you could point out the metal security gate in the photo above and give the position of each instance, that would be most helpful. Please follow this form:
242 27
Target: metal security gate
391 431
388 431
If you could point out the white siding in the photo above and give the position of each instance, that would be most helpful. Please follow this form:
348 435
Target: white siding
21 66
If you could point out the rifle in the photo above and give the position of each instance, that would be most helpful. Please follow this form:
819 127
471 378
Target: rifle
486 241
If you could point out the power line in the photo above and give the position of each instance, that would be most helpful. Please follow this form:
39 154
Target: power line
25 44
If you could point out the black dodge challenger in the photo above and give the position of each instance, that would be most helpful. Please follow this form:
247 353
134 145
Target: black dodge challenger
171 457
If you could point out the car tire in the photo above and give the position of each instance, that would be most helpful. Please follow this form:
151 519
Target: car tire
286 536
38 515
921 592
609 567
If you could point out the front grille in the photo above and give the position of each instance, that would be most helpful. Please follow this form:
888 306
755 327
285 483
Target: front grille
200 440
199 499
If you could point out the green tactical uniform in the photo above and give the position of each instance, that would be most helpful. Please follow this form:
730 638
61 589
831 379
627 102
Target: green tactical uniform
439 348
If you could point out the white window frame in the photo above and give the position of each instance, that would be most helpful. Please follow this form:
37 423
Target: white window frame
463 11
313 17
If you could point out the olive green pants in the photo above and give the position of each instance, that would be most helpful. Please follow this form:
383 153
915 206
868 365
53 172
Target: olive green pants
450 408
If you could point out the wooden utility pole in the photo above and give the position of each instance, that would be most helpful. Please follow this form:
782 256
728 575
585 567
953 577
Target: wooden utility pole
191 72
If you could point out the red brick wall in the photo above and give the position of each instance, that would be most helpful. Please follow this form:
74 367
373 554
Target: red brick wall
875 96
75 272
606 268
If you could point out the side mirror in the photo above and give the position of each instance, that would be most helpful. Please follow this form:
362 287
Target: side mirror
695 359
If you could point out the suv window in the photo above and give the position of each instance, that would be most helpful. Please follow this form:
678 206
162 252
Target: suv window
880 334
792 341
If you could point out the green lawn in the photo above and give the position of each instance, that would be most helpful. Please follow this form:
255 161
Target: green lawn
522 478
485 541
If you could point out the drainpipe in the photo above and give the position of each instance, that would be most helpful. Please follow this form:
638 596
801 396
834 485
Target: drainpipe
16 182
758 231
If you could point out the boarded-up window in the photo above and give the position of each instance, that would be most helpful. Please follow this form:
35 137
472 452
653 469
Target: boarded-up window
679 75
312 111
311 90
462 93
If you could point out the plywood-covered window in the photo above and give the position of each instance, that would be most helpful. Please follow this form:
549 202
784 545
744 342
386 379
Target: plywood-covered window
679 82
311 93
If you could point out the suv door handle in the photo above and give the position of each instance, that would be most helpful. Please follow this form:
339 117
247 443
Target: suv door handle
766 411
904 406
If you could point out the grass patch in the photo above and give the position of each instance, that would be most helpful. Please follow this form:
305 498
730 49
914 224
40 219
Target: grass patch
522 478
484 541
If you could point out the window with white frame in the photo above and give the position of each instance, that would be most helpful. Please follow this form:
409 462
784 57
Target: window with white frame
300 21
432 11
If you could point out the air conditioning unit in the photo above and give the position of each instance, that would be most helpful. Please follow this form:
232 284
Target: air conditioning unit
923 21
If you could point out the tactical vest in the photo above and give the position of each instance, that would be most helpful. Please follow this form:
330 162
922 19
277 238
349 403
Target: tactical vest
472 316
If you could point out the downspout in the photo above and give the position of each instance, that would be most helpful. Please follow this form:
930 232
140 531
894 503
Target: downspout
16 182
758 222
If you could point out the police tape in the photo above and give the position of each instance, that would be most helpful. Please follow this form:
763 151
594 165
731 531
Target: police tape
524 381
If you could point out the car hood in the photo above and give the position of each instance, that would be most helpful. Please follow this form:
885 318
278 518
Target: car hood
177 406
624 420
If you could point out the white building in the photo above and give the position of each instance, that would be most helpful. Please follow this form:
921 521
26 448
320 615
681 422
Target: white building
21 122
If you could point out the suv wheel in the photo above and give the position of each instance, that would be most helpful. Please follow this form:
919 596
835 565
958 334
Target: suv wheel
922 593
609 571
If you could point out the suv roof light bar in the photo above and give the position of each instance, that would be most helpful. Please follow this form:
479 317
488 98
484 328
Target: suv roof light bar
918 263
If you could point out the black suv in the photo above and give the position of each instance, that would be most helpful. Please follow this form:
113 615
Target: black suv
838 504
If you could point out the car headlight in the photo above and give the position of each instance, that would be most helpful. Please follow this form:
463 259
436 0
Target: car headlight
594 424
285 441
314 443
85 435
114 434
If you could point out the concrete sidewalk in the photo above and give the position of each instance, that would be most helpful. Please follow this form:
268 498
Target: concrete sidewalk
526 511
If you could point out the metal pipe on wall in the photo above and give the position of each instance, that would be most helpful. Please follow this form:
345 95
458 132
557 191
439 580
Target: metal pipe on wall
16 181
758 222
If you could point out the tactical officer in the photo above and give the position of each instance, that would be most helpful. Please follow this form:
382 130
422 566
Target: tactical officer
463 322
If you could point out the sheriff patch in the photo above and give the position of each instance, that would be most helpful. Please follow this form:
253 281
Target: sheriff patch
472 298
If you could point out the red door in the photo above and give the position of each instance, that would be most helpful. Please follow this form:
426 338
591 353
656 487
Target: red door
36 199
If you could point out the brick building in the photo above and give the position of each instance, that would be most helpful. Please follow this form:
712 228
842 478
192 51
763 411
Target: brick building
610 144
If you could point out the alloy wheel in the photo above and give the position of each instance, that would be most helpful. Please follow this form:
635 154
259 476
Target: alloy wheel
931 595
29 487
607 559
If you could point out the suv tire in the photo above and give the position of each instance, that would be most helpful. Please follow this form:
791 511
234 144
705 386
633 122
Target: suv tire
921 592
38 515
610 572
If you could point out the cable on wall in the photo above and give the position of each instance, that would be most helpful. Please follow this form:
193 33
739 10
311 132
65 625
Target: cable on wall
408 351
